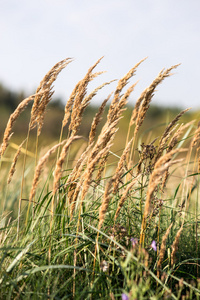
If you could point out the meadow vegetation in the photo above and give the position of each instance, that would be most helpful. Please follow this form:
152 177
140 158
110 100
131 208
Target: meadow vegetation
110 209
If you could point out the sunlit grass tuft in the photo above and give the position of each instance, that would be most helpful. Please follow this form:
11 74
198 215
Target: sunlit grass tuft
81 221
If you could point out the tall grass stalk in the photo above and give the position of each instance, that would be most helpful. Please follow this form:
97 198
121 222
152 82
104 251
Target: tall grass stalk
104 224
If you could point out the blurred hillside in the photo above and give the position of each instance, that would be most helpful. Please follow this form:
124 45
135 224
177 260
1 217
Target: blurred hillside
154 124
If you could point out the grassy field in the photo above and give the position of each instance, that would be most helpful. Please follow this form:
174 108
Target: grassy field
109 212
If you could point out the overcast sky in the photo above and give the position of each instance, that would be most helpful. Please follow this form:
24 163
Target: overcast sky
36 34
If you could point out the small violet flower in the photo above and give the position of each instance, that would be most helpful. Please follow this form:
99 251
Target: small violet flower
153 246
134 242
125 297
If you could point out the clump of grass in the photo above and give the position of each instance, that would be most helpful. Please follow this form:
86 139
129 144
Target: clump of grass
96 228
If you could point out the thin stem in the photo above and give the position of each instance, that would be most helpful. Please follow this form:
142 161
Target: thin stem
22 185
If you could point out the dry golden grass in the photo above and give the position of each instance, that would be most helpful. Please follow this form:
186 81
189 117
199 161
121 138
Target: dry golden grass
13 117
162 249
161 166
175 245
91 161
41 101
117 177
105 203
59 164
99 199
167 133
39 169
97 119
13 166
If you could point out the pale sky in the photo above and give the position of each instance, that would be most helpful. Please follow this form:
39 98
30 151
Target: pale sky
36 34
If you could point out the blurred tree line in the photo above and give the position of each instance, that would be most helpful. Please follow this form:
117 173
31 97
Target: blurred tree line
9 99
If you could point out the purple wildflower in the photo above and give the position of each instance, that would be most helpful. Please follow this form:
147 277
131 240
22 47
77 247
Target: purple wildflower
153 246
134 242
125 297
